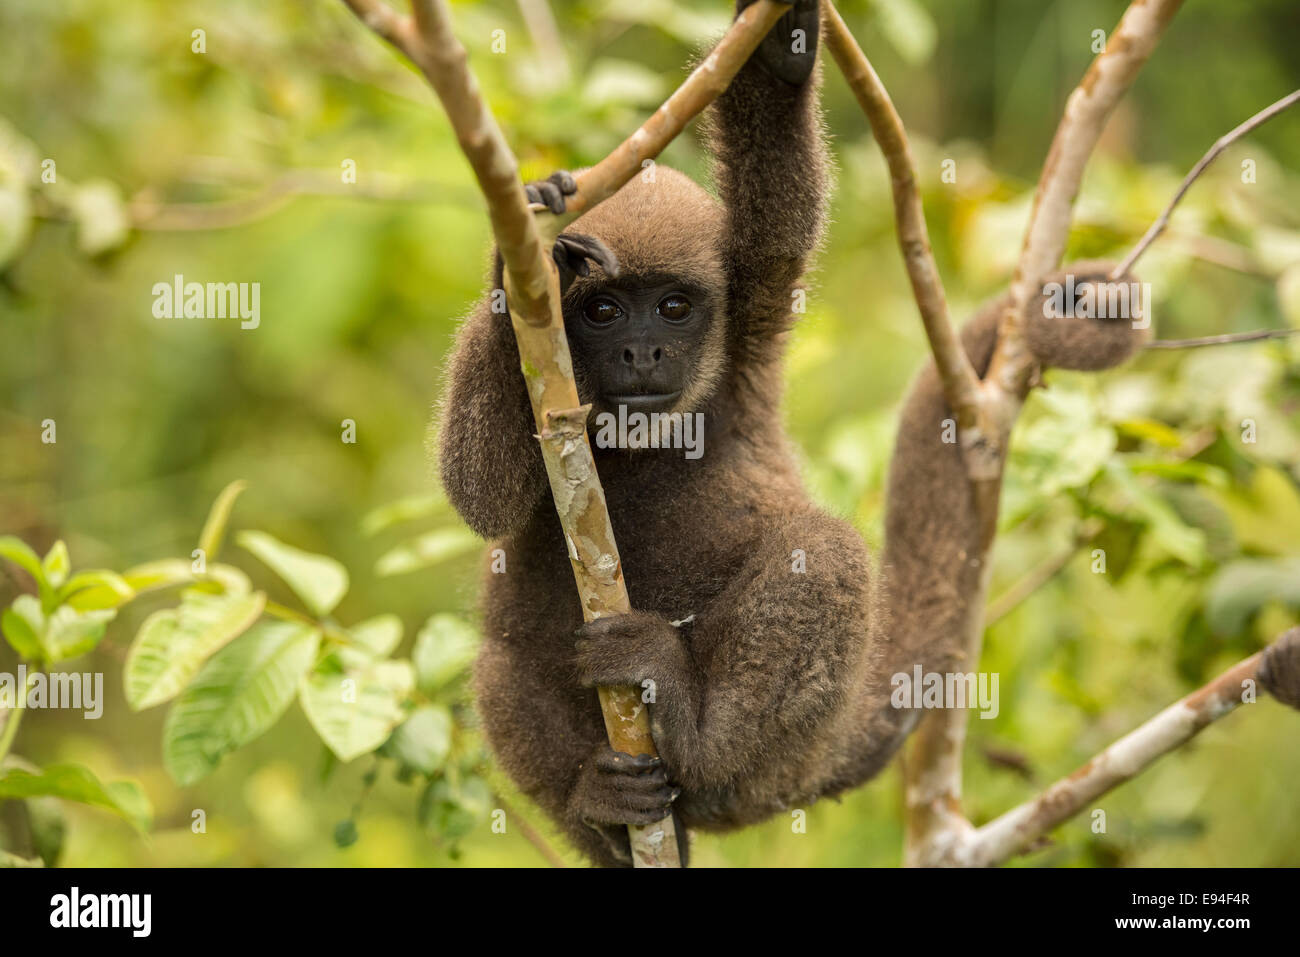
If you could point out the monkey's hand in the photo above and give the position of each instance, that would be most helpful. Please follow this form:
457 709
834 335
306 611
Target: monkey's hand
790 47
637 649
573 252
616 789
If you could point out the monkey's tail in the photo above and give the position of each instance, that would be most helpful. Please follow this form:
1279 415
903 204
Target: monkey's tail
932 558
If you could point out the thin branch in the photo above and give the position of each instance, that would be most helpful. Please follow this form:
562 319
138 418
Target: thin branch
530 834
960 383
706 82
1039 576
1228 339
1221 144
553 61
1011 833
149 214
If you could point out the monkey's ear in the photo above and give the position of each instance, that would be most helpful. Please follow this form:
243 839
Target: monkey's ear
573 254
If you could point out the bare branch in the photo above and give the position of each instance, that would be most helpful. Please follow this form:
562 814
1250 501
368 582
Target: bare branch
1223 340
553 61
960 383
530 834
1221 144
1007 835
1039 576
706 82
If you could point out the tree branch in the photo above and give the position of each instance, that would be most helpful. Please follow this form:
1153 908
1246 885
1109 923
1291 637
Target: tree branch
1223 340
960 383
1015 830
1221 144
706 82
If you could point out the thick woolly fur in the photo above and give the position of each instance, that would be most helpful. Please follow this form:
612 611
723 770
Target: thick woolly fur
772 690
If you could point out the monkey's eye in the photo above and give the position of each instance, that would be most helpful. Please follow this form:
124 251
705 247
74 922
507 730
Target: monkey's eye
602 311
674 307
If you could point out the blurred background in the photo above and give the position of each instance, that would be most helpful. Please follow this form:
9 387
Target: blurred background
222 155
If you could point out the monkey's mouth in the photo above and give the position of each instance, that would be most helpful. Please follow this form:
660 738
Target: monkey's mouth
644 402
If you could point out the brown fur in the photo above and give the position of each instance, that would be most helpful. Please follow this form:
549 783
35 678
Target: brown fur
773 691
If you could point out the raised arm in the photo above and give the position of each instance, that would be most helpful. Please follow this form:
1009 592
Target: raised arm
771 170
489 462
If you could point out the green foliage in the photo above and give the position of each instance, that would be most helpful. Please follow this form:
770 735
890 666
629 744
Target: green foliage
72 783
238 694
362 291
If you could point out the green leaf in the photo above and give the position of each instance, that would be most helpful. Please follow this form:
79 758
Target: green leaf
9 860
909 28
142 578
1166 529
24 624
423 741
21 554
238 694
1240 589
174 643
214 529
443 649
48 826
56 564
160 574
428 549
107 589
70 633
72 782
318 580
403 510
345 833
374 639
450 811
355 711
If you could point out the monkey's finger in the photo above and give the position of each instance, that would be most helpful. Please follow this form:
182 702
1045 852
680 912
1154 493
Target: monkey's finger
592 248
610 760
551 196
565 181
644 801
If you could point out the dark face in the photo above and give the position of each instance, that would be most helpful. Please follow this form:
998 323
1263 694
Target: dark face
640 342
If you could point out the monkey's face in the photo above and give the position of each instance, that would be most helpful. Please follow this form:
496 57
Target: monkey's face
651 343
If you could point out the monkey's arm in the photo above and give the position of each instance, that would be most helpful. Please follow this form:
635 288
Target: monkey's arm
771 171
490 463
775 655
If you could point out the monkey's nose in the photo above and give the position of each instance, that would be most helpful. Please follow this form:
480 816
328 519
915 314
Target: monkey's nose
642 356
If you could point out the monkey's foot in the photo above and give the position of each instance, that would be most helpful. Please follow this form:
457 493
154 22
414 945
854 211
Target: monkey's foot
618 789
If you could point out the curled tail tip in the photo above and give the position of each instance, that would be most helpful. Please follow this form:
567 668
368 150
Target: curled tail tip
1082 319
1279 668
